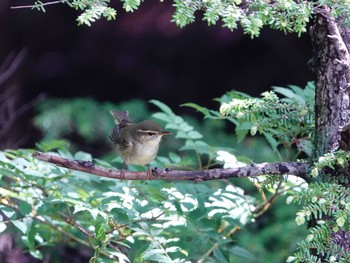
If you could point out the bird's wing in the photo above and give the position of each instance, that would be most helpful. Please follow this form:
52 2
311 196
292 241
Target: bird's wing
116 136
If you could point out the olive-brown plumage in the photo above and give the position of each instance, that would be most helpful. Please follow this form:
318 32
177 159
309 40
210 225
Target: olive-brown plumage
136 143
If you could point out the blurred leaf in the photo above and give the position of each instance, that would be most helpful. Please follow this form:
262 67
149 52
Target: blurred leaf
36 254
2 227
162 106
175 158
156 255
219 256
22 224
241 252
8 212
271 140
46 146
163 117
82 156
24 208
120 215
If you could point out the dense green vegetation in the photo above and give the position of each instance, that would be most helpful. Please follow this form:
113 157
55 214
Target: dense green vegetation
155 220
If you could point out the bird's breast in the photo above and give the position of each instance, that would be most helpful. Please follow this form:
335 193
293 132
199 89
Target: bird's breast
142 153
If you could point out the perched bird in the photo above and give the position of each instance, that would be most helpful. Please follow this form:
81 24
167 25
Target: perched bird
136 143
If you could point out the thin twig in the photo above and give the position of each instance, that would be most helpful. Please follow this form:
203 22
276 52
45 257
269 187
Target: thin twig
42 4
259 210
72 222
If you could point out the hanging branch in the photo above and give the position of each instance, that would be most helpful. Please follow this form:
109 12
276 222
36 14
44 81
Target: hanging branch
299 169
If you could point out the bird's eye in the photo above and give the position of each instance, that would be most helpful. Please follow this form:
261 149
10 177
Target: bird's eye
151 133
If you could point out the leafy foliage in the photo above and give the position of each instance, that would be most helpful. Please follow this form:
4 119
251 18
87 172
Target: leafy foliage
288 16
334 160
93 10
193 140
284 121
154 221
328 206
285 15
124 221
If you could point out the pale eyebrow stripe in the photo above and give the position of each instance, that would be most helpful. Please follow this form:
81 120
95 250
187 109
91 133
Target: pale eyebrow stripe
147 131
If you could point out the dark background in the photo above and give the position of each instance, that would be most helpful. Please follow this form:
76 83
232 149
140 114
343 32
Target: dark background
140 55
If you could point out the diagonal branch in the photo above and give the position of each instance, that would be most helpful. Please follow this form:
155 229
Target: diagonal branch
10 65
299 169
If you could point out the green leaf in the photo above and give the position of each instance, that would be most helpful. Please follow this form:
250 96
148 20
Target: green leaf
198 146
165 108
2 227
100 233
24 208
163 160
242 252
156 254
285 91
22 224
36 254
120 215
203 110
175 158
51 145
244 126
82 156
273 143
163 117
8 212
94 212
219 256
288 93
32 232
139 252
194 135
79 208
241 134
297 90
198 214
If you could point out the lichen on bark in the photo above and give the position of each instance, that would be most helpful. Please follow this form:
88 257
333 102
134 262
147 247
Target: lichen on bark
331 64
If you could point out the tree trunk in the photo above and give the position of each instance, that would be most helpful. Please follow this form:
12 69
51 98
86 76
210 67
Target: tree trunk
331 64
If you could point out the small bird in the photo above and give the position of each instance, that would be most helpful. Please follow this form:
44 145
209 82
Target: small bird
136 143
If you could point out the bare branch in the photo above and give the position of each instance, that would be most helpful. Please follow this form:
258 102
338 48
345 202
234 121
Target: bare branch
299 169
14 115
10 65
41 4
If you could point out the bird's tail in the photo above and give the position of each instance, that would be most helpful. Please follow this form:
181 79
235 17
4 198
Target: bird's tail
121 116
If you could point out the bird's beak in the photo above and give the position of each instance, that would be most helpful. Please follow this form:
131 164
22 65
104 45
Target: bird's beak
165 133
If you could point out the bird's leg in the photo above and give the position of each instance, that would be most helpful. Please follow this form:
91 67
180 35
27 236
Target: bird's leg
122 172
149 173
